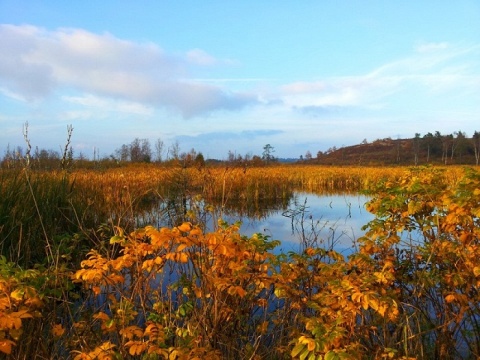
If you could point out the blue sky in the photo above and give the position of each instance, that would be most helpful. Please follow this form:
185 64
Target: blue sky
236 75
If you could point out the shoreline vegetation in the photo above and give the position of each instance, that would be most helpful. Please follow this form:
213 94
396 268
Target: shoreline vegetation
83 275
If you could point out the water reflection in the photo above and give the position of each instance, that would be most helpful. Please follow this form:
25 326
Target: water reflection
304 219
331 221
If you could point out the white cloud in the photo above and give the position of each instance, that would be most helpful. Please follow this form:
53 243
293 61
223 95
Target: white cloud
109 105
34 62
200 57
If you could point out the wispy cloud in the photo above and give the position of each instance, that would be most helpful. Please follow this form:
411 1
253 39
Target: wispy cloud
429 47
433 67
35 62
98 106
200 57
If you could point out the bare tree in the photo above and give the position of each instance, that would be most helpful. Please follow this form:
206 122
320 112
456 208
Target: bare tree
476 145
416 147
135 150
175 150
67 155
159 147
123 153
146 150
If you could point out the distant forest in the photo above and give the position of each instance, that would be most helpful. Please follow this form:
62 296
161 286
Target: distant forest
436 148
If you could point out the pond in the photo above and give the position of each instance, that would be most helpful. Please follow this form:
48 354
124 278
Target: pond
331 221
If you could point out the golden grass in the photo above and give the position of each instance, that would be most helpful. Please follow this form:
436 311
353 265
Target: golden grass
237 183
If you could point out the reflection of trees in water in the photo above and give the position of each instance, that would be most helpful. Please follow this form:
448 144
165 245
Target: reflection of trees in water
320 231
175 210
308 230
204 197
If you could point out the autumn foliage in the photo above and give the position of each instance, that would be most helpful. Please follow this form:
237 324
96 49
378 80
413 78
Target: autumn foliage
410 290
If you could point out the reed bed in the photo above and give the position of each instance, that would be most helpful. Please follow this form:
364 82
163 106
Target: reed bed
255 183
37 205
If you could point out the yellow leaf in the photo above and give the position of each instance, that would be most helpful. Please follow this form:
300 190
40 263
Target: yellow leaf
374 304
357 297
17 294
173 355
148 265
365 302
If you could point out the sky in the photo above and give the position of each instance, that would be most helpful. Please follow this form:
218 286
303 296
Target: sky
220 76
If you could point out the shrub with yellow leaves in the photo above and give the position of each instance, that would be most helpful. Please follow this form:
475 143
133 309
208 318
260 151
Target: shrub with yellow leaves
179 292
18 301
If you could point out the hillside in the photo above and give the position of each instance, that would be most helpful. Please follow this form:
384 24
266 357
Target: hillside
412 151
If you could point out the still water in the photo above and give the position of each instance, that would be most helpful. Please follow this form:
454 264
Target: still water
331 221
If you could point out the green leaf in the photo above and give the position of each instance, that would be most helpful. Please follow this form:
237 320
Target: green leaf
117 239
331 355
298 349
304 354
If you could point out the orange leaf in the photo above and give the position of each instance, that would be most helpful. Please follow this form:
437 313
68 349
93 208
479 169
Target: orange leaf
185 227
181 247
449 298
183 258
58 330
241 291
196 232
135 347
6 346
96 290
221 249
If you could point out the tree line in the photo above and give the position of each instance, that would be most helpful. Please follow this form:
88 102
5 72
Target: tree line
139 150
